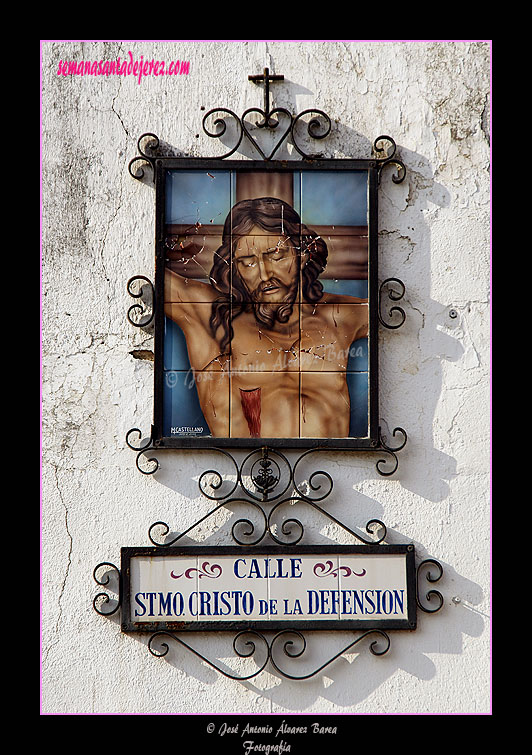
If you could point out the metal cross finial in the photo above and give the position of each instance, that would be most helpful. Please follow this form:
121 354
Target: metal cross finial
266 78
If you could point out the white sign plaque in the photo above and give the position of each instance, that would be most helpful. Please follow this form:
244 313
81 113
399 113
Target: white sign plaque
338 587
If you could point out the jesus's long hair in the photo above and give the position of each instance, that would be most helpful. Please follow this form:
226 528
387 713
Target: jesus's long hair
277 218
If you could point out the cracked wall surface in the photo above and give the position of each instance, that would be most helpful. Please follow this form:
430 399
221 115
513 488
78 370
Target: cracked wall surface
434 234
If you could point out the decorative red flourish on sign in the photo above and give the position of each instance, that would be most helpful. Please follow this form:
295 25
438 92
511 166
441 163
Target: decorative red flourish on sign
326 570
206 570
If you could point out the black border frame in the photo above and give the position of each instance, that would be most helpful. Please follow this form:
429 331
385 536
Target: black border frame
161 166
408 550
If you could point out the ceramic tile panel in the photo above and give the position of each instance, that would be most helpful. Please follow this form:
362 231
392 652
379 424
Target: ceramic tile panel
194 335
266 267
283 587
166 591
256 347
196 404
328 331
195 267
334 198
198 197
312 593
334 404
373 587
265 404
223 587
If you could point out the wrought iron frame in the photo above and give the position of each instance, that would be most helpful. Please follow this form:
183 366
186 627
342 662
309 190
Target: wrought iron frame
152 309
288 127
329 625
244 641
257 481
270 485
267 478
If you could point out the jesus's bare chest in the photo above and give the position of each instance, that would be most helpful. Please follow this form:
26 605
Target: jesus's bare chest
313 342
256 348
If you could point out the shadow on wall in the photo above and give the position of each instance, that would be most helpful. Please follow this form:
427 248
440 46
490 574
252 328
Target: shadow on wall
410 391
337 674
411 358
343 681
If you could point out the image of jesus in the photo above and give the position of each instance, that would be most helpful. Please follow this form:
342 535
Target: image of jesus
267 345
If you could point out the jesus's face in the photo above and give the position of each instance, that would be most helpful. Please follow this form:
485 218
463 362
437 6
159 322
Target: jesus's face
268 266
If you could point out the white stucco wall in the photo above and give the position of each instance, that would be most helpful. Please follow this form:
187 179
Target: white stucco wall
434 234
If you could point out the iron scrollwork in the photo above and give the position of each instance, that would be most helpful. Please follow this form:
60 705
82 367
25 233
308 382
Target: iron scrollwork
143 157
280 121
265 477
292 641
394 296
141 450
245 646
383 446
103 599
431 594
221 128
258 479
385 157
143 315
318 127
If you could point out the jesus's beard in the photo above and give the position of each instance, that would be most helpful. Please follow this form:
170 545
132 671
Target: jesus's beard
266 313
